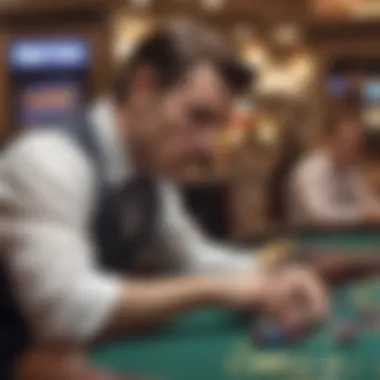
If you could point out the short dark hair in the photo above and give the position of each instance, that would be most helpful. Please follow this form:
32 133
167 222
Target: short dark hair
173 48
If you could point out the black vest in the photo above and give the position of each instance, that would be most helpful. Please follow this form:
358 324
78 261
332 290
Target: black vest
123 224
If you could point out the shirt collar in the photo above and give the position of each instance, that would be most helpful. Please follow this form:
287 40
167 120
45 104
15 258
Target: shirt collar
118 164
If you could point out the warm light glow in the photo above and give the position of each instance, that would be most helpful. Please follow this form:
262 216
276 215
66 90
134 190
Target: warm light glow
140 4
213 5
347 8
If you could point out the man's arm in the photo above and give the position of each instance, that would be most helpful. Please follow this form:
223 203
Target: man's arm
47 193
192 252
46 186
189 249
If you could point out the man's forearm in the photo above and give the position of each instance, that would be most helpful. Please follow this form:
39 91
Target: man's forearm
141 304
145 303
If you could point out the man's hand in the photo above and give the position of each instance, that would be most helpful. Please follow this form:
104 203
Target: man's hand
293 294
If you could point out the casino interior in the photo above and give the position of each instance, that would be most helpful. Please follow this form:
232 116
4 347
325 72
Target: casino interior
306 55
309 56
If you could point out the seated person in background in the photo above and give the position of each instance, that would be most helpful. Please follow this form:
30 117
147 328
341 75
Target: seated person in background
325 187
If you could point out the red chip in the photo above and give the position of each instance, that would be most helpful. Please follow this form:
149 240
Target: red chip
345 333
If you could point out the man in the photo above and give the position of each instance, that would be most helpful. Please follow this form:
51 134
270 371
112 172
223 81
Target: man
80 204
325 187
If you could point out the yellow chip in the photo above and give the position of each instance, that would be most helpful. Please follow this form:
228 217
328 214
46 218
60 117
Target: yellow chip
277 252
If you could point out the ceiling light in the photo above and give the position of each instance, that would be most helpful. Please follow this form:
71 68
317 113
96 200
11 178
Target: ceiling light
213 5
140 4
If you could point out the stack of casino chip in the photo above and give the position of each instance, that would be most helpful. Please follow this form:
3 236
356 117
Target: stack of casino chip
270 334
346 331
277 253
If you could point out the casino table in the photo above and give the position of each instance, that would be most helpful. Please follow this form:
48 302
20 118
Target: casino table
214 344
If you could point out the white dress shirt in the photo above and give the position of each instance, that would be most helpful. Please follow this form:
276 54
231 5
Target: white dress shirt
319 193
47 197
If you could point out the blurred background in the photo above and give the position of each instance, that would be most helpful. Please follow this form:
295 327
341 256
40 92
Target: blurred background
308 55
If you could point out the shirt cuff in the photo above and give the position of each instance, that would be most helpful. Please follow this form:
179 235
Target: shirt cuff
100 302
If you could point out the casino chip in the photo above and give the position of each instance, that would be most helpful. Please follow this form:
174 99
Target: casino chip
277 252
369 318
269 335
293 333
274 335
345 332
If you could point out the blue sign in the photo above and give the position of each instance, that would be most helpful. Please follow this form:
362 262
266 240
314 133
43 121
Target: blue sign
49 53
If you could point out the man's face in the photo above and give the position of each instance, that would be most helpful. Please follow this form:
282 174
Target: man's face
347 143
184 120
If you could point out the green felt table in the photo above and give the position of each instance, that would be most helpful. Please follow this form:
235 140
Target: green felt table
213 344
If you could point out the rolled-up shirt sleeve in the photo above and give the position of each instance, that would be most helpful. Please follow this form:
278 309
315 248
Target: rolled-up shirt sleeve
47 195
190 249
